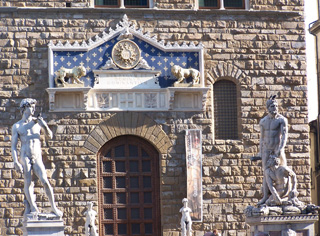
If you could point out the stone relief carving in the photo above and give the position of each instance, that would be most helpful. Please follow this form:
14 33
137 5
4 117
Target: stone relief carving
126 54
27 130
143 64
103 100
74 75
90 227
186 222
125 34
110 65
182 74
279 181
150 100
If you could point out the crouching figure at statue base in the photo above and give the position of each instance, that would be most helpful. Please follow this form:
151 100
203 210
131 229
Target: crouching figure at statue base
282 197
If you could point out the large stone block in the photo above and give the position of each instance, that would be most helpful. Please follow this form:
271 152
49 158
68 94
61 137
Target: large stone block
43 224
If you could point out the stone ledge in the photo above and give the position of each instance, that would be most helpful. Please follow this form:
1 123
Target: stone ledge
77 10
282 219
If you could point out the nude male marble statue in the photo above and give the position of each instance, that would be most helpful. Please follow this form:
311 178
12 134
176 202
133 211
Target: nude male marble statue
186 222
90 227
282 183
27 130
280 195
273 139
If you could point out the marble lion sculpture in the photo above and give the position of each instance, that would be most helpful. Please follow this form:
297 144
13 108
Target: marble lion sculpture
181 74
74 75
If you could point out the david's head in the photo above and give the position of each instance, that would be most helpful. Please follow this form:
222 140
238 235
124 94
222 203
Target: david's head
28 105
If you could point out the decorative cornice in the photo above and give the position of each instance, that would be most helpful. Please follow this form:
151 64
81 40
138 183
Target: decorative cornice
314 27
68 10
124 28
282 219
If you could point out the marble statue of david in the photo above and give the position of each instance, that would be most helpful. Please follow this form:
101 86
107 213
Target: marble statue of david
27 130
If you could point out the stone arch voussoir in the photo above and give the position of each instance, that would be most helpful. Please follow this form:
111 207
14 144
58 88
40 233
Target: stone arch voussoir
225 70
128 123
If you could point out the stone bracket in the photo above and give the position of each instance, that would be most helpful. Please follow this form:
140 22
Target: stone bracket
188 98
68 99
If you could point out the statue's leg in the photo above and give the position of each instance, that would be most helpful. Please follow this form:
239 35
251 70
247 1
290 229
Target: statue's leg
29 185
40 171
265 190
94 230
87 229
183 228
29 191
189 229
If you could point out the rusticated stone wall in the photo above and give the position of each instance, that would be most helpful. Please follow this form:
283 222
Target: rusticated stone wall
262 52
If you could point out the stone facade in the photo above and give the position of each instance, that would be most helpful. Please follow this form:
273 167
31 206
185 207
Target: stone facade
262 51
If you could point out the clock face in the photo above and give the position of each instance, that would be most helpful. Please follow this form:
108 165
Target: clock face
126 54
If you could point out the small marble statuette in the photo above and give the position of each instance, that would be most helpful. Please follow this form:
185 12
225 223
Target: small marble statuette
182 74
27 130
64 76
288 231
186 222
90 227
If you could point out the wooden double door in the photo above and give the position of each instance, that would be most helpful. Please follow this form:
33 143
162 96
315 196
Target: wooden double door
128 185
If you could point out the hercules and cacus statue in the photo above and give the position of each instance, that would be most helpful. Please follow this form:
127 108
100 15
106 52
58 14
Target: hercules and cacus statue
280 195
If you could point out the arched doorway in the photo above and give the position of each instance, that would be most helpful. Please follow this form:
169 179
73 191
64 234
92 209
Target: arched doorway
128 182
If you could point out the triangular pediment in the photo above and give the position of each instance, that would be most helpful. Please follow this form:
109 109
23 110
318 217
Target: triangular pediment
98 53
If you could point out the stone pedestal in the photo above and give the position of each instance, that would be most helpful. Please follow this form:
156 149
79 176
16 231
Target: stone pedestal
43 225
280 225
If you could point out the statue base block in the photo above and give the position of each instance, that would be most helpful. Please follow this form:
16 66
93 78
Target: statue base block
186 85
43 225
280 225
67 85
